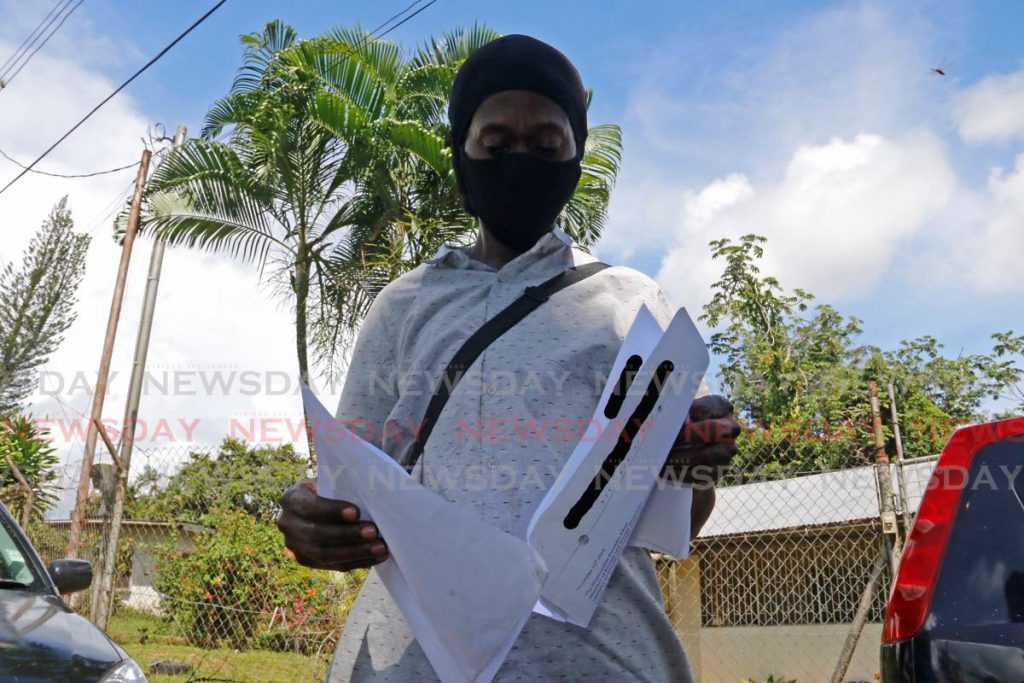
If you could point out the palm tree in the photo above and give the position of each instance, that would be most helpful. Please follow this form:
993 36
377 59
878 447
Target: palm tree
326 165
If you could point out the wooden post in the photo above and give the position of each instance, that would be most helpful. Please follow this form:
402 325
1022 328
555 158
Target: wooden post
103 604
901 479
861 616
85 474
109 493
883 473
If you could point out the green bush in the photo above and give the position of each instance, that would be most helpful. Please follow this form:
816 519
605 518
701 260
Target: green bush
240 586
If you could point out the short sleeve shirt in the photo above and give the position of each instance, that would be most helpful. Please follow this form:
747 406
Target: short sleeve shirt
505 433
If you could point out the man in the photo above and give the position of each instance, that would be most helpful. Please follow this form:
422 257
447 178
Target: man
518 128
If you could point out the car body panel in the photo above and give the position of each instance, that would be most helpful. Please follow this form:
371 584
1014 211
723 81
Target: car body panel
41 638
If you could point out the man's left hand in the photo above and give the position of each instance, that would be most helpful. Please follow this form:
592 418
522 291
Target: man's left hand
706 444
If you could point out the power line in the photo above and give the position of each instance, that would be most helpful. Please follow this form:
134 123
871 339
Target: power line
395 16
32 37
14 161
121 87
104 214
8 79
406 19
115 204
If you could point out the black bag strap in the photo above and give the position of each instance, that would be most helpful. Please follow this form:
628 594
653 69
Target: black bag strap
471 349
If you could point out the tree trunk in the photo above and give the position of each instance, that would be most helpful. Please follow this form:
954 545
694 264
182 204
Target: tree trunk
301 287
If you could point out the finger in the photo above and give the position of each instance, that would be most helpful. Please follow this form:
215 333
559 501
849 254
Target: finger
327 558
368 560
305 530
709 407
364 563
715 430
302 501
345 566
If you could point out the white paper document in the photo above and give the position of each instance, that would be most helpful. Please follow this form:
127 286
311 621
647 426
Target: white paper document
664 525
595 505
465 587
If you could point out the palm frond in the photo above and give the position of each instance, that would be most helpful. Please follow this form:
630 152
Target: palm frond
260 51
173 219
416 138
342 73
382 57
586 213
453 47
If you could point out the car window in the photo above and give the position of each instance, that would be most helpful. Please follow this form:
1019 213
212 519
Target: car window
14 566
981 580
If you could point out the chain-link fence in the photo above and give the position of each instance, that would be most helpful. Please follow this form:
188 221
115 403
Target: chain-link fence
203 585
773 584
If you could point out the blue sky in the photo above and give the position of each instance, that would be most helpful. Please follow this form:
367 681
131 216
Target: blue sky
894 193
698 54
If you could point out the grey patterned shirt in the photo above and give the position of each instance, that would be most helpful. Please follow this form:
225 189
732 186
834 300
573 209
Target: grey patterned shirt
508 428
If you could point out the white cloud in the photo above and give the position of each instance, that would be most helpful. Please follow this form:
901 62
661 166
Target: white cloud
992 110
835 219
848 161
980 249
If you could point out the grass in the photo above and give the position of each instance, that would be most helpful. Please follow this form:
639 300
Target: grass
148 638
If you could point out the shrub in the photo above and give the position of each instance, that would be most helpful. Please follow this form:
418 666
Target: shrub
240 586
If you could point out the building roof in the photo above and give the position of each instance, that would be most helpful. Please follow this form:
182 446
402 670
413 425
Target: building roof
843 496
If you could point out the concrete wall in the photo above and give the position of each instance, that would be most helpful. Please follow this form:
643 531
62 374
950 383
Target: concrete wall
140 593
805 653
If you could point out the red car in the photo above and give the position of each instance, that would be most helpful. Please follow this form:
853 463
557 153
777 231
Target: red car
956 612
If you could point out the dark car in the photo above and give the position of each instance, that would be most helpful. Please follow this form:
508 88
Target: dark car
956 612
41 638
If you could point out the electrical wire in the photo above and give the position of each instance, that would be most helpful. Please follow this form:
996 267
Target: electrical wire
395 16
31 167
117 203
32 37
109 97
426 6
14 161
8 79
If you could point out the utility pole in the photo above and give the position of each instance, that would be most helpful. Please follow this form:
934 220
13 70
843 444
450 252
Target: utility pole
82 494
102 603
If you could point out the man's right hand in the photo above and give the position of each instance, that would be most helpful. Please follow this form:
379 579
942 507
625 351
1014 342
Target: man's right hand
327 534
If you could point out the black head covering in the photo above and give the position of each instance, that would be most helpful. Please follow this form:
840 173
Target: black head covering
515 62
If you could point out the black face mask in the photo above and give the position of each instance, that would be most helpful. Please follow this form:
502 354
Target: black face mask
518 196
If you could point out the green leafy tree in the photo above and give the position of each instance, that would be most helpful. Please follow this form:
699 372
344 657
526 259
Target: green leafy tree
1007 371
37 299
28 473
798 375
327 166
238 477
